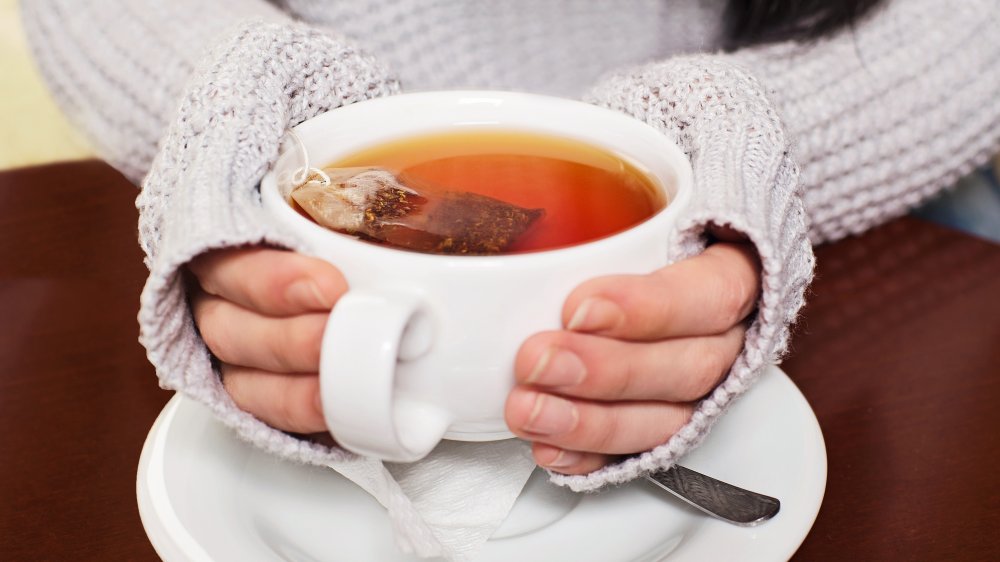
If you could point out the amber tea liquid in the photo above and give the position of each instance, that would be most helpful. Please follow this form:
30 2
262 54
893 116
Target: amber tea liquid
586 192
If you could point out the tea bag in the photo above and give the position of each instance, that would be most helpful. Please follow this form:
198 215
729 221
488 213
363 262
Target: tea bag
374 204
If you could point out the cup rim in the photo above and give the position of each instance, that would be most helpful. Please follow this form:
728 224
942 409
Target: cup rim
271 192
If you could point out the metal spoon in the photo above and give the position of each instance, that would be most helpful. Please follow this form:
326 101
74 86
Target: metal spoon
715 497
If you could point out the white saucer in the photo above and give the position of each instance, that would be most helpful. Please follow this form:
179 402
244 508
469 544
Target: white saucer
205 495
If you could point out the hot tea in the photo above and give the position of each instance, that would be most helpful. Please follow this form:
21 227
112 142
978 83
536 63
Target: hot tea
421 346
482 192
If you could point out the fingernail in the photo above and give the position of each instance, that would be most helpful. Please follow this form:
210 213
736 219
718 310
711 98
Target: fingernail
565 459
306 293
558 367
596 314
551 415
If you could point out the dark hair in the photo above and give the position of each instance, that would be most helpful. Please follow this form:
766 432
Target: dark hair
750 22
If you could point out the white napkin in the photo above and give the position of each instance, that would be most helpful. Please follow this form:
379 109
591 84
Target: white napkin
451 502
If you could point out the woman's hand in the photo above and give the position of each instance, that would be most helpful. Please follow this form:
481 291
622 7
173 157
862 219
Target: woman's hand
638 351
262 313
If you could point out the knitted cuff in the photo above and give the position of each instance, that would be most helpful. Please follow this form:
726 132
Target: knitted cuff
744 179
202 191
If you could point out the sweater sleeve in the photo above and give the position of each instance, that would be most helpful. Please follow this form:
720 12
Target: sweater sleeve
201 102
888 113
117 68
745 179
877 117
202 190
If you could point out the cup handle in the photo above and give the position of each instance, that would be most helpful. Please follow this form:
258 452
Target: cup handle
361 349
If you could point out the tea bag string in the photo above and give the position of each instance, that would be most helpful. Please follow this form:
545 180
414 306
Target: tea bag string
306 173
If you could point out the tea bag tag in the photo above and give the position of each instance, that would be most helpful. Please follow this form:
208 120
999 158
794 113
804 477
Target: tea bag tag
306 173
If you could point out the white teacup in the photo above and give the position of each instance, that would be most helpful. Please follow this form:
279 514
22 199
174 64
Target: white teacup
422 346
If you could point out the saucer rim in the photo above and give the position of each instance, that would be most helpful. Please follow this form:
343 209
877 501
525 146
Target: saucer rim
172 541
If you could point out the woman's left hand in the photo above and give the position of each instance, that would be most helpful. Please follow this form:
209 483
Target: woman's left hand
636 354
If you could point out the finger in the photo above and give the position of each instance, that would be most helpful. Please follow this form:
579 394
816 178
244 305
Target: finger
599 368
566 461
612 428
272 282
242 337
287 402
706 294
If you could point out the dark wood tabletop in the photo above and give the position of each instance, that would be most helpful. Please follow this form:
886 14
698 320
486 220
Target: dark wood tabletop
898 352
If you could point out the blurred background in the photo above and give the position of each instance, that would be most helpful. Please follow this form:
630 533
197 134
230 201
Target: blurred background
32 130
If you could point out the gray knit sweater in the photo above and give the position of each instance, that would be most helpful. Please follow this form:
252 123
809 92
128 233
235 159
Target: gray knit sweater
790 143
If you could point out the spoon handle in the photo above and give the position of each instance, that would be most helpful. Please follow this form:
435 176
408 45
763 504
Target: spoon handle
715 497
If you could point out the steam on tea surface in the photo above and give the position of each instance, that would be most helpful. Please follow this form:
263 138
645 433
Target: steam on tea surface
573 191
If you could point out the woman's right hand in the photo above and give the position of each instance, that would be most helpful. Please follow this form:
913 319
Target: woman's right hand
262 313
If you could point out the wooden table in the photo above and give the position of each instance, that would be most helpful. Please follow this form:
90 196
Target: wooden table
898 352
